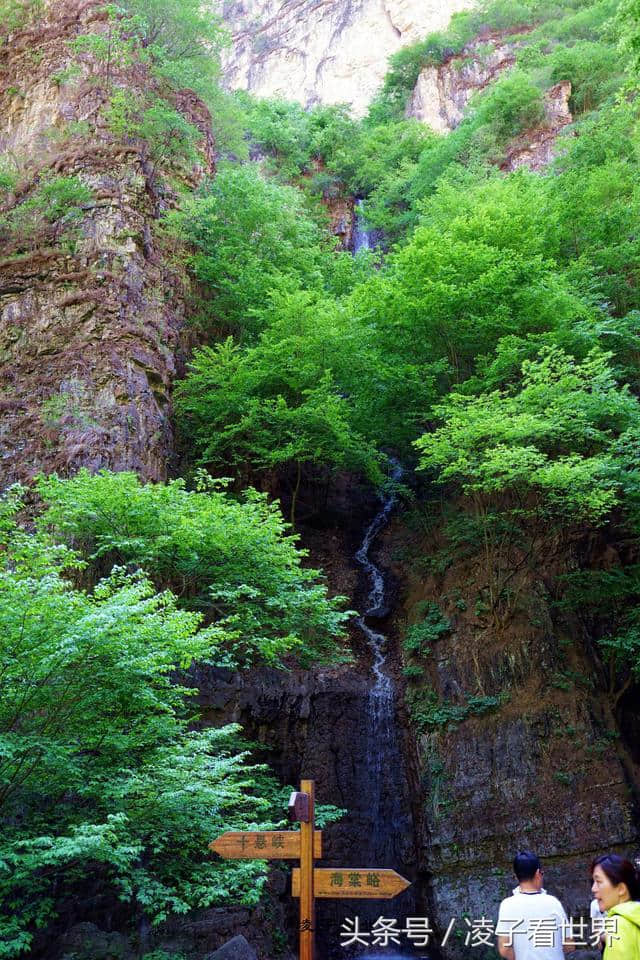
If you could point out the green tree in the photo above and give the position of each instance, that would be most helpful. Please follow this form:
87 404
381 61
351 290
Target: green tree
274 405
236 561
101 775
282 130
182 37
592 69
453 299
553 434
165 136
545 454
629 20
253 238
511 105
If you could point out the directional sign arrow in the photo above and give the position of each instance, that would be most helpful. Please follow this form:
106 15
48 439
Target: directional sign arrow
270 845
361 884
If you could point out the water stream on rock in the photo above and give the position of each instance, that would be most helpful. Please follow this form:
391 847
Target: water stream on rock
344 729
382 738
387 847
362 236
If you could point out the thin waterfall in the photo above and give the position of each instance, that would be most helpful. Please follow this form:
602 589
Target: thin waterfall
383 745
384 760
362 236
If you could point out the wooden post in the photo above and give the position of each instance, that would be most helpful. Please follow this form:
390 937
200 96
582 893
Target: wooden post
308 882
307 906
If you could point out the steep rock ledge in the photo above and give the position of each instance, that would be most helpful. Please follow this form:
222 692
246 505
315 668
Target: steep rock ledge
334 51
88 330
442 94
544 769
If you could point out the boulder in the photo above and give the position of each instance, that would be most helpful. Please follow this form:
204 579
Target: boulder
237 949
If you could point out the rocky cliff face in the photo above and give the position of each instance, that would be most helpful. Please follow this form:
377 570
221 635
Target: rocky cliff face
544 769
324 52
89 322
537 148
442 94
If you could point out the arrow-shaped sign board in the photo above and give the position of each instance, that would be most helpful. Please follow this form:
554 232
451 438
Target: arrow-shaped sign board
309 881
271 845
358 884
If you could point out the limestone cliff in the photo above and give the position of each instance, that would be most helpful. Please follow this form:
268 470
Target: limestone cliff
89 319
324 52
442 94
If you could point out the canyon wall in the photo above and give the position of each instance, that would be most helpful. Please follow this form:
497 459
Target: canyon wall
443 93
89 317
518 744
316 52
538 762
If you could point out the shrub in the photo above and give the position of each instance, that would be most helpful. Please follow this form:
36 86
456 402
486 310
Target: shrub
233 560
420 636
511 105
9 176
593 69
57 201
18 13
165 134
101 773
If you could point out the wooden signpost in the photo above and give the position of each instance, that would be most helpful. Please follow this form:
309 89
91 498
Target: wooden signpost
309 881
352 884
279 845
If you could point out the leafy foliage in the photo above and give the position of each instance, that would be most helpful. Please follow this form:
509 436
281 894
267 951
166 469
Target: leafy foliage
429 630
18 13
555 435
629 17
245 410
455 295
165 134
512 105
100 773
497 342
253 238
429 713
9 176
182 37
233 560
49 212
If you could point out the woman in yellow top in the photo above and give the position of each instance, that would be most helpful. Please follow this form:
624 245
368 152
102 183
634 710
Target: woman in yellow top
616 887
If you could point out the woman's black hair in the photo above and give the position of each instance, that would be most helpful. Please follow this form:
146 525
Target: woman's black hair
619 870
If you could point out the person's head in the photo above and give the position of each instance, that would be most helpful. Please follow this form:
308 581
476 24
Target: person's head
526 866
614 880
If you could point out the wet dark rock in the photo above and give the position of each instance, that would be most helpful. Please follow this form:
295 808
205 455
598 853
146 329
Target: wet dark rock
85 941
236 949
